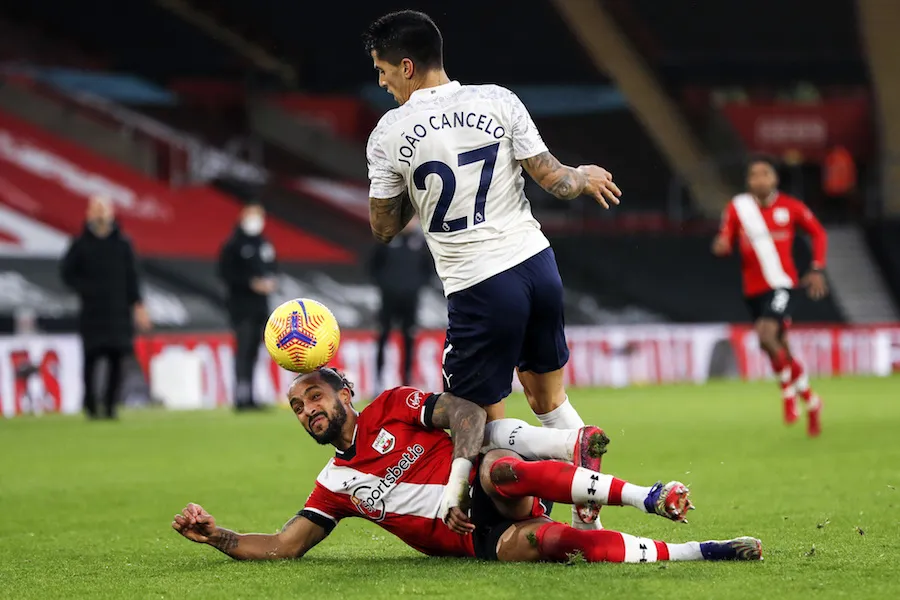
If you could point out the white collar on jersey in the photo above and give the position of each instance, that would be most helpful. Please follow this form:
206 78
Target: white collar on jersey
438 90
769 199
352 443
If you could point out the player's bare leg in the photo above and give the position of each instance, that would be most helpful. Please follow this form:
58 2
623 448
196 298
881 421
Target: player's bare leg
545 540
796 375
495 412
546 395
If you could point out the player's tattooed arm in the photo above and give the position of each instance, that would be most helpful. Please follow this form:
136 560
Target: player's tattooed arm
465 420
293 541
556 178
567 183
224 540
388 216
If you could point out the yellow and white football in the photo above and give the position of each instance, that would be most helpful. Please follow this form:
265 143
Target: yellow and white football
302 335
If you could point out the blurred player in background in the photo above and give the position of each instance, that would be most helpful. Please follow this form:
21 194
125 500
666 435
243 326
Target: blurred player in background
101 268
763 223
248 268
453 154
391 462
400 269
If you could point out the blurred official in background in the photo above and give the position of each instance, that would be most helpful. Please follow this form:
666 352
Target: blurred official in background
247 265
101 267
400 269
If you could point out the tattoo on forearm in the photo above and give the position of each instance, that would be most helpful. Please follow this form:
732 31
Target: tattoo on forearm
465 421
388 216
563 182
289 523
225 540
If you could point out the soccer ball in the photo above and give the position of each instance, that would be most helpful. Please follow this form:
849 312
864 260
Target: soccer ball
302 335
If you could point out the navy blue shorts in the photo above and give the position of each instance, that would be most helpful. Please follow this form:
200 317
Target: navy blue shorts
514 319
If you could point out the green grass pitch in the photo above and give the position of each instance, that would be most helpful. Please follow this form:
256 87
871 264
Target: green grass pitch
85 507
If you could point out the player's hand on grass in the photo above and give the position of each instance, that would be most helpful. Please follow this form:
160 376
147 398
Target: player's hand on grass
816 284
195 523
721 246
600 185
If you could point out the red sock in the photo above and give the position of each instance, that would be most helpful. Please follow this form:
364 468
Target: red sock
558 542
780 361
796 369
551 480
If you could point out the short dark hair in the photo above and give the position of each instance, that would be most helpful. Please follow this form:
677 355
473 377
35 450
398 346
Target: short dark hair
406 34
766 159
333 377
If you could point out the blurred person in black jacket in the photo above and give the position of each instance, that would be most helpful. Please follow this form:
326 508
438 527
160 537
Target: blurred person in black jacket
400 269
101 267
247 265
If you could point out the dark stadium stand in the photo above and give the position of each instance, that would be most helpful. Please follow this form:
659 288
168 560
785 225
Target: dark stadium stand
308 32
616 140
141 37
673 275
884 242
21 42
766 41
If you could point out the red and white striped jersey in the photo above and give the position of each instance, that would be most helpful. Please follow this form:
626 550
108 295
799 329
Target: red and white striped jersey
394 475
765 235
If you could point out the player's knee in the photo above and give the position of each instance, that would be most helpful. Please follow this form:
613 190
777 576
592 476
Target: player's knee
519 543
526 389
502 460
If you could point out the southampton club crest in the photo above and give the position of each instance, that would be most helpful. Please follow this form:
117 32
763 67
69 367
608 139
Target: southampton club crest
781 216
384 442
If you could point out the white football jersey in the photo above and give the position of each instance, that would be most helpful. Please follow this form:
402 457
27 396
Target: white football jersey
455 149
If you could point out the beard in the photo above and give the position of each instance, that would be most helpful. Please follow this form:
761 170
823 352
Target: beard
335 426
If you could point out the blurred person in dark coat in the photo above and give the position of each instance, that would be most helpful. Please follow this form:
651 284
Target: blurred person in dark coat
101 268
247 266
400 269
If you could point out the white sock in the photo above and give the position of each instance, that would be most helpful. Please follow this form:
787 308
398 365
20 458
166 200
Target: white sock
802 382
788 390
685 551
528 441
813 403
589 486
640 550
563 416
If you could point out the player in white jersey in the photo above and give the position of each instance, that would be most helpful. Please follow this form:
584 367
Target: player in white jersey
454 154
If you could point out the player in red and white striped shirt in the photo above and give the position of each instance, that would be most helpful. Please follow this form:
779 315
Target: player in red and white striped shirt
391 465
763 223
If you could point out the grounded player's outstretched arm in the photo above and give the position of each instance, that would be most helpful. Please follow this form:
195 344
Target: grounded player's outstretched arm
293 541
388 216
567 183
465 420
